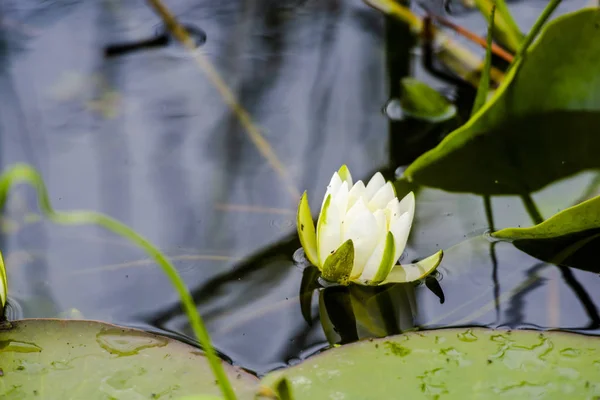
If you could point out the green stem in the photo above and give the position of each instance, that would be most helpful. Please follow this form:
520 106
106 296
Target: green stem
484 81
24 173
489 214
505 29
487 204
536 29
532 209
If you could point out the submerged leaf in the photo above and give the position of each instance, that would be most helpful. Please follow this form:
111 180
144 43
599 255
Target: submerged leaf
308 285
569 238
451 363
422 102
539 125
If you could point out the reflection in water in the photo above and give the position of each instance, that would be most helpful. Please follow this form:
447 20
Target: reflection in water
161 39
146 138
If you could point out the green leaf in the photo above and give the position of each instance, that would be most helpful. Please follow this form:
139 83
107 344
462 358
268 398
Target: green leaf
504 26
66 359
3 286
306 230
387 261
484 81
422 102
414 272
539 125
569 238
535 29
454 364
338 265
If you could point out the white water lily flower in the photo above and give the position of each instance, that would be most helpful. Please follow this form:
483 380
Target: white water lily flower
361 233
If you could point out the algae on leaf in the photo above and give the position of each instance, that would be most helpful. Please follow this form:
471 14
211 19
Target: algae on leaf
453 364
540 126
62 359
570 238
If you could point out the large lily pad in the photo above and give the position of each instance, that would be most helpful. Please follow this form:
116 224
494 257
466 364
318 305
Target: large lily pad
541 125
569 238
63 359
452 364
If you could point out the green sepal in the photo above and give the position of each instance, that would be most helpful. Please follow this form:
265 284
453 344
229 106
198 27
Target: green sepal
306 230
338 265
414 272
387 261
3 286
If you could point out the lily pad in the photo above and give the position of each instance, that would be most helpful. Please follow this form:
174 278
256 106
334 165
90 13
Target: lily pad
569 238
63 359
540 125
452 364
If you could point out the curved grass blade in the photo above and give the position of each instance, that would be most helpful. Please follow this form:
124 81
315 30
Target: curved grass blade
23 173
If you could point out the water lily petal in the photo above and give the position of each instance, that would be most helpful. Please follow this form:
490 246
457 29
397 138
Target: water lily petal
329 230
401 229
414 272
345 175
392 211
358 208
306 230
362 228
380 263
334 185
338 265
376 183
407 204
382 197
382 227
356 192
340 199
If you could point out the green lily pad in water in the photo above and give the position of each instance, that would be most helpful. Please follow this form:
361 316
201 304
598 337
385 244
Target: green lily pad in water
570 238
452 364
55 359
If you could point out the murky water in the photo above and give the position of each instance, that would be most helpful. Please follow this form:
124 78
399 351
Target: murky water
143 135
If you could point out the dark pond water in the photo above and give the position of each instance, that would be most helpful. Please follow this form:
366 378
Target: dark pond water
145 137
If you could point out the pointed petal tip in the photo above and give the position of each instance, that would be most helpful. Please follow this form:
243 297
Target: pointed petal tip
345 175
410 196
